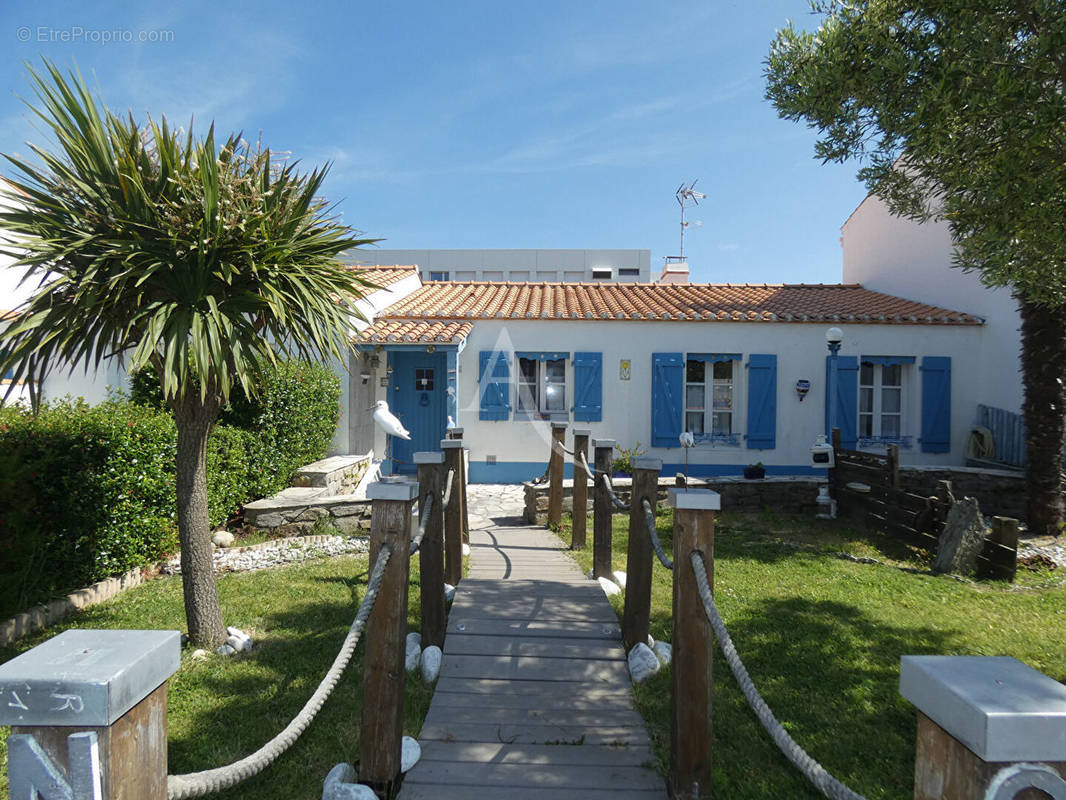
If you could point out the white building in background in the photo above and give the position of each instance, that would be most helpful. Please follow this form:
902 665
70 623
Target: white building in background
570 266
913 260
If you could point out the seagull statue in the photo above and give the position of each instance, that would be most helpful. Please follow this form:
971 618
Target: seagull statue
387 422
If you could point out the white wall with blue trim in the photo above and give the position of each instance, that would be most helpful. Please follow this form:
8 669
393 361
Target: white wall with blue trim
940 367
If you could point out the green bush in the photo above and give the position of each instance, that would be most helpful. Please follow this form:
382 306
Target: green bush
88 492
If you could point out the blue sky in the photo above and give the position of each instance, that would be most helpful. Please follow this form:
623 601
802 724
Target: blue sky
504 124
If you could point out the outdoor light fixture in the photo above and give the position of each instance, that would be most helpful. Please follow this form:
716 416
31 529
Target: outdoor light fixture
834 336
802 387
374 362
431 348
365 376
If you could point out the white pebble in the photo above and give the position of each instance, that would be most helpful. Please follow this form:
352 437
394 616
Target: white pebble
431 659
619 578
222 539
449 592
664 652
226 650
340 785
199 655
651 641
413 653
610 588
642 663
466 549
410 752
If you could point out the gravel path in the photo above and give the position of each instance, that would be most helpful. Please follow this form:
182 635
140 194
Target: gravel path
278 553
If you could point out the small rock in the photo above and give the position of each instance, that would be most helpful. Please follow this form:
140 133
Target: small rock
619 578
431 658
962 539
222 539
239 640
651 641
642 663
466 549
226 650
591 574
449 593
413 651
664 652
410 752
610 588
199 655
340 785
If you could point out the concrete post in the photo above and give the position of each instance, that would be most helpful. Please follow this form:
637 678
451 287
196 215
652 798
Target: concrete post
88 714
988 728
693 645
384 675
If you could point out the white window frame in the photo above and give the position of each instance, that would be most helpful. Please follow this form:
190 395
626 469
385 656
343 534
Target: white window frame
541 385
446 273
733 437
876 412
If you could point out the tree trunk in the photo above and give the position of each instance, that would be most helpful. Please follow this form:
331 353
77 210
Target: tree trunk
1044 409
202 611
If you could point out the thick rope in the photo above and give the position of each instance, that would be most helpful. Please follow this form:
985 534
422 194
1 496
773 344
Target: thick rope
559 446
610 493
422 523
448 489
649 520
585 466
811 769
198 784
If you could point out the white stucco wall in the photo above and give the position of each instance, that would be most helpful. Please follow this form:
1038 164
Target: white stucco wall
898 256
801 352
515 264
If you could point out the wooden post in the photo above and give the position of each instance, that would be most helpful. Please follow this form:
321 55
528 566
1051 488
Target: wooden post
431 551
893 466
555 476
1001 550
640 554
580 493
86 689
989 728
464 509
453 514
602 510
693 646
386 632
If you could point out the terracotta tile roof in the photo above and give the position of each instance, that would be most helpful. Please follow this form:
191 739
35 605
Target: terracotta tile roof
644 301
399 331
385 276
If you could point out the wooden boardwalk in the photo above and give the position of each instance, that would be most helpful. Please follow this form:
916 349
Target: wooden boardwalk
534 698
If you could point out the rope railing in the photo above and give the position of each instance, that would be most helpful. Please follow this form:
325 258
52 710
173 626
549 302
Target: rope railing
584 464
559 446
198 784
811 769
448 489
610 493
423 521
649 520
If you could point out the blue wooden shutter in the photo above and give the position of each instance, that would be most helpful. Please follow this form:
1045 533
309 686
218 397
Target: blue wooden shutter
588 387
936 404
667 401
847 400
762 402
495 385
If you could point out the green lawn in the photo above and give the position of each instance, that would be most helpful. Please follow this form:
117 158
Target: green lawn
222 709
822 638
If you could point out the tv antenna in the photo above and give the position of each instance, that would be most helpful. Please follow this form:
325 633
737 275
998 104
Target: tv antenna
687 195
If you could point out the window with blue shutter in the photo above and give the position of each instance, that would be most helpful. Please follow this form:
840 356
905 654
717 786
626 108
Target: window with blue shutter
588 387
762 402
847 399
936 404
667 402
495 385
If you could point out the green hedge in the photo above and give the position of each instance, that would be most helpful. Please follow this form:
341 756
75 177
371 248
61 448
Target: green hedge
88 491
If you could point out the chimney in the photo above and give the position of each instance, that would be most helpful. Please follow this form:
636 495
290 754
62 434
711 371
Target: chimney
675 270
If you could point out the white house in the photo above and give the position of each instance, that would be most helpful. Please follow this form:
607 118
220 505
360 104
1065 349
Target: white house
899 256
623 266
642 363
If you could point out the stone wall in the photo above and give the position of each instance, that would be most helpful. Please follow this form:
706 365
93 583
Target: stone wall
789 495
998 492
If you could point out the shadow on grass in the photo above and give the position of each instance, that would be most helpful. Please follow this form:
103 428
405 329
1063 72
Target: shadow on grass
830 674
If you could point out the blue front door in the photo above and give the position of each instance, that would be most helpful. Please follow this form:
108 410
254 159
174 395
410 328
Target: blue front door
416 395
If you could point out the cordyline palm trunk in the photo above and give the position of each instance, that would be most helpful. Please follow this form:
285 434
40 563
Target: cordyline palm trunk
195 418
1044 409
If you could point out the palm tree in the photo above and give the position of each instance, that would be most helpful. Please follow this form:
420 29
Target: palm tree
200 262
